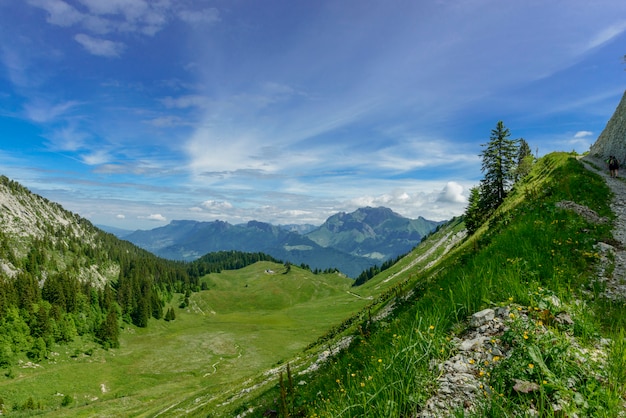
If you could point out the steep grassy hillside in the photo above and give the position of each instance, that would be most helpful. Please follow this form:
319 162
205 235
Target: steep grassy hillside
551 344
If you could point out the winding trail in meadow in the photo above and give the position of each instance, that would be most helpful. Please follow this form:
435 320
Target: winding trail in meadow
616 282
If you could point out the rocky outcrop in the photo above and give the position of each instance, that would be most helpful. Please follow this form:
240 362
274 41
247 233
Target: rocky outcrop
612 140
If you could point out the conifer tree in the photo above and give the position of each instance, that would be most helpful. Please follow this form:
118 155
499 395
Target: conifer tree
170 315
473 213
499 162
109 330
525 160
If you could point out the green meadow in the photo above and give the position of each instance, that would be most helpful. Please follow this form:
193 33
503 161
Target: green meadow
248 320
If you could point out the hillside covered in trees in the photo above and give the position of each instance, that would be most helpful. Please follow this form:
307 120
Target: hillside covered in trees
61 277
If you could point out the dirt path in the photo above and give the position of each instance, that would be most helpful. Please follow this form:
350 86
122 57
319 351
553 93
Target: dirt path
616 280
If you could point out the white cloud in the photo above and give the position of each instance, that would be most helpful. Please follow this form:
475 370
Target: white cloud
217 204
168 121
195 209
582 134
100 47
68 138
96 158
154 217
120 216
59 12
124 16
452 193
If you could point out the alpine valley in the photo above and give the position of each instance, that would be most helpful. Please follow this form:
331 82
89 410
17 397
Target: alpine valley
524 316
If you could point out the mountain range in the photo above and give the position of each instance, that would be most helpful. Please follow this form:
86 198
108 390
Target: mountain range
350 242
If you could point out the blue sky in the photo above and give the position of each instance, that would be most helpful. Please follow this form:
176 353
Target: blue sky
134 113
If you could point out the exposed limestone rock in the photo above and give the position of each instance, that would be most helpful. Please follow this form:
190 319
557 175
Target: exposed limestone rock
482 317
612 140
584 211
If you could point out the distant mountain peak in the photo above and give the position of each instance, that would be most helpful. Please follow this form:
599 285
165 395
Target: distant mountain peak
350 242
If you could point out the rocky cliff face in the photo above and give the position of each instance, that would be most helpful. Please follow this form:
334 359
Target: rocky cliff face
612 140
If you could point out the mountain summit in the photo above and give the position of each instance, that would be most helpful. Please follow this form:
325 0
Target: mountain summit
350 242
376 233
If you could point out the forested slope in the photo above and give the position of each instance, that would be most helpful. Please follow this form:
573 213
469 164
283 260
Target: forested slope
61 277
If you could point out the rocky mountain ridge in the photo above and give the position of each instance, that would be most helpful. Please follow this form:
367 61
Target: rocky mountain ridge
350 242
612 140
26 218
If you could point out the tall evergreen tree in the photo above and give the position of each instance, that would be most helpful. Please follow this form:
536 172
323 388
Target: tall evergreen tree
499 162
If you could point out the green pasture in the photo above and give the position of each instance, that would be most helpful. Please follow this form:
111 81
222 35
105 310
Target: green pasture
248 321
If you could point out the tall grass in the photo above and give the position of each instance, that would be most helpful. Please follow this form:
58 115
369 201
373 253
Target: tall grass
529 253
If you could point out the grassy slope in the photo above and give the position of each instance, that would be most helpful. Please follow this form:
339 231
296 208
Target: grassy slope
248 321
529 252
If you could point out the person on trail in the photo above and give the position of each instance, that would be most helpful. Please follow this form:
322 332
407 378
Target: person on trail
613 166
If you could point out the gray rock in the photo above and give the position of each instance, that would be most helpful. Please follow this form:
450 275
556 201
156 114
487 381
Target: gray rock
474 344
611 140
482 317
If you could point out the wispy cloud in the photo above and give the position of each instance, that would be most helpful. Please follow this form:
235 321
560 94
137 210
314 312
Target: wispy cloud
122 16
68 138
59 12
606 35
97 157
582 134
215 204
43 112
100 47
184 102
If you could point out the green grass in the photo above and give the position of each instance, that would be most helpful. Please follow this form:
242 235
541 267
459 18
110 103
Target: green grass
248 321
529 251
